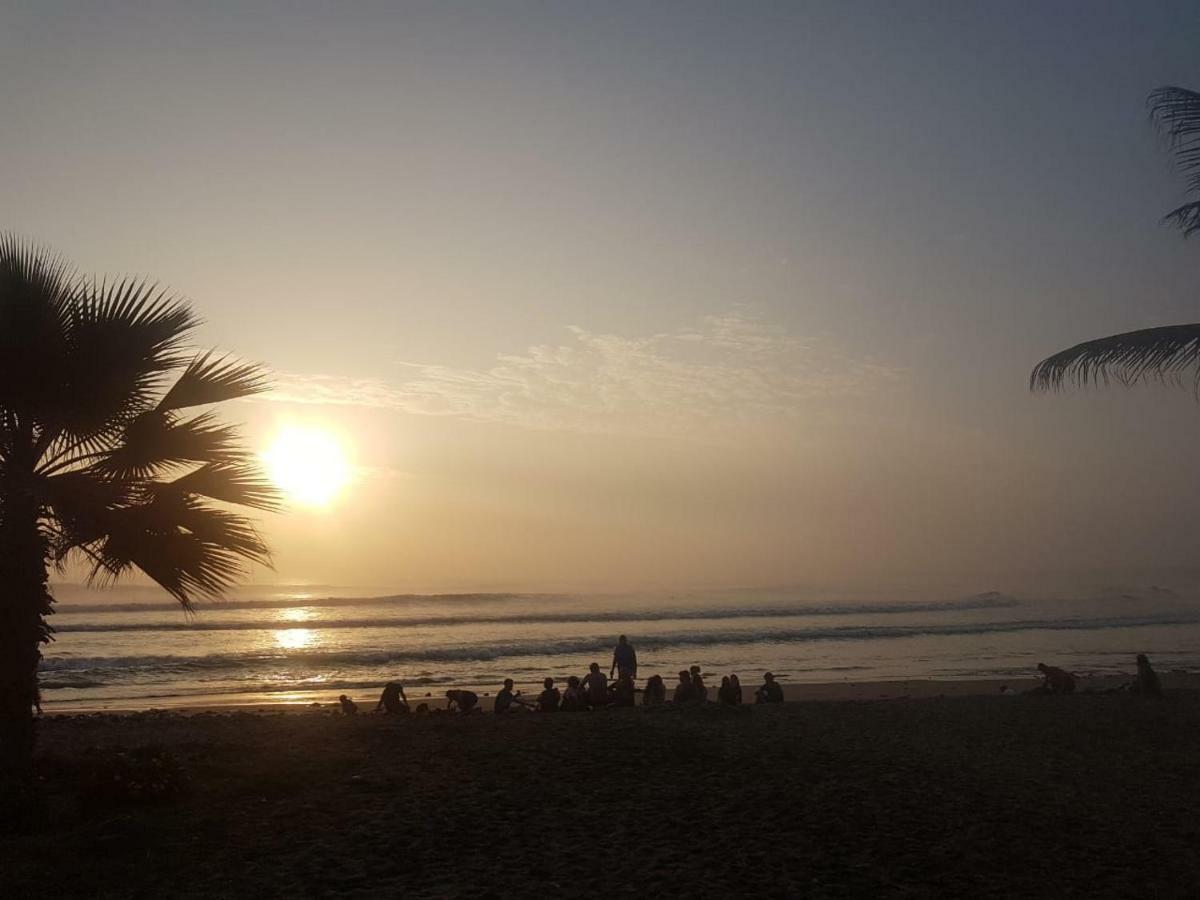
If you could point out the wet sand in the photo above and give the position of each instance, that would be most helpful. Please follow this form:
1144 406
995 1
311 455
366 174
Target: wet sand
1091 795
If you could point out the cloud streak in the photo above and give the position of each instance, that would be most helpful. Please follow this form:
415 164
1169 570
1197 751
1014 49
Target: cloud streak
727 369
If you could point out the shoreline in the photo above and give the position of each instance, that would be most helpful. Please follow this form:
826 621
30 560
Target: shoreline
294 702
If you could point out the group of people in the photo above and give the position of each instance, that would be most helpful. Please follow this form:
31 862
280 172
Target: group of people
1060 681
595 690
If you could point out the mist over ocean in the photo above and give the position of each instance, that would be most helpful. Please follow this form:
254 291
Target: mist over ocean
120 650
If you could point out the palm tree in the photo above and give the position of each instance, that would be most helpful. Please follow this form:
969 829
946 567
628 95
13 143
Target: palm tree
1169 352
109 455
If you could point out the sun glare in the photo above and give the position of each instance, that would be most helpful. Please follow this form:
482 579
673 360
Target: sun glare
293 638
308 465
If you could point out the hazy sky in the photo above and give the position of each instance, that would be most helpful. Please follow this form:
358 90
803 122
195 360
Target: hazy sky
620 295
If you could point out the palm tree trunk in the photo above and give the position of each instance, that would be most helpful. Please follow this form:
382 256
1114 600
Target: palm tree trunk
24 602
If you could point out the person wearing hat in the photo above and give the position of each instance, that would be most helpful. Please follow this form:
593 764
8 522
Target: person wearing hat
770 691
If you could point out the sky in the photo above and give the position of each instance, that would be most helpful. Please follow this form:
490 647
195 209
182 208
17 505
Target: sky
649 296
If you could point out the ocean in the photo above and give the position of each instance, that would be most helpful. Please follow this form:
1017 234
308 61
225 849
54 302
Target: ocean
123 651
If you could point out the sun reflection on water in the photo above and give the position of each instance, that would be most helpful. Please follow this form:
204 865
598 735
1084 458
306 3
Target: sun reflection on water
293 638
297 614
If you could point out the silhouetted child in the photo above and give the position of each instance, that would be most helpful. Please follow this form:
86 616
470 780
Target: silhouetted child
462 701
1147 682
349 707
698 688
506 700
1055 680
655 691
684 692
422 709
595 686
770 690
622 691
392 700
549 698
736 686
572 698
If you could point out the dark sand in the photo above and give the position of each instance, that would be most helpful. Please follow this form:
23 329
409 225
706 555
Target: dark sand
1093 796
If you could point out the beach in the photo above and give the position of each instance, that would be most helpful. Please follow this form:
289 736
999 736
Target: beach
951 795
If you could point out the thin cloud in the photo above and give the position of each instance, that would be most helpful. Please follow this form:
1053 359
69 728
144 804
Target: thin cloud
729 368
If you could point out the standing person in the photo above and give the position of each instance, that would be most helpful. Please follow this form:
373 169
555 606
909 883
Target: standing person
549 698
1147 679
624 659
770 691
595 686
698 687
736 687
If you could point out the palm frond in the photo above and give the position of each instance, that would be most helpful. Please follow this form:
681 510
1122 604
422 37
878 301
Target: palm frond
156 440
124 338
35 289
1175 111
1160 354
234 482
213 379
189 549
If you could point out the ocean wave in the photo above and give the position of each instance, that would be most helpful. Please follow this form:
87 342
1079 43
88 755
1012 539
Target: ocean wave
595 646
978 602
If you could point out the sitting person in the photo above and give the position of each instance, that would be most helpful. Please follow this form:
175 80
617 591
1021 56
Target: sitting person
725 695
549 698
392 700
622 691
1147 682
770 691
698 687
349 707
506 700
595 686
1055 680
572 698
684 692
736 687
655 692
462 701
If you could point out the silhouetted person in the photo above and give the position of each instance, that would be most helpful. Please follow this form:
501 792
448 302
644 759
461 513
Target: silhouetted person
392 700
769 691
684 691
1056 680
595 686
506 700
349 707
463 701
725 694
572 698
1147 682
624 659
622 691
736 685
655 692
549 698
698 687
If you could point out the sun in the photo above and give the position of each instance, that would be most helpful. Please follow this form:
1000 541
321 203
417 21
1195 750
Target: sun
308 465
